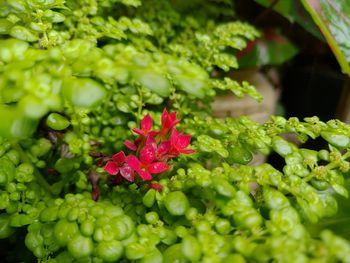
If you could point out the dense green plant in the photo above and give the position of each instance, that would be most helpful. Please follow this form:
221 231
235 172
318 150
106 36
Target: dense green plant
77 76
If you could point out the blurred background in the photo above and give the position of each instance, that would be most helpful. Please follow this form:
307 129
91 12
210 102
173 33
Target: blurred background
303 67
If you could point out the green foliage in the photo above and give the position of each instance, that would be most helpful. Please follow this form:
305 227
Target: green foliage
76 76
71 58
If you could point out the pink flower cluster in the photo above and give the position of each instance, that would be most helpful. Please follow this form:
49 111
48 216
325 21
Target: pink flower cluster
151 150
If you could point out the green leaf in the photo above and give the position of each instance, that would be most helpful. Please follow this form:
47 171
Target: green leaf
77 48
64 165
32 107
83 92
7 171
123 106
153 81
340 190
57 122
294 12
333 19
106 70
23 33
18 5
336 138
209 144
5 229
5 26
45 4
18 220
54 17
192 86
14 124
11 49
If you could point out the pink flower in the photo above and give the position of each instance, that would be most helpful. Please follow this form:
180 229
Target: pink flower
145 167
160 150
168 121
179 141
163 148
118 165
146 127
152 150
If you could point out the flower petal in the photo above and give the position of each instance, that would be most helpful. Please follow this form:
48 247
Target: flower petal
147 154
146 123
151 140
139 131
133 162
183 140
144 175
119 157
158 167
168 120
172 119
130 145
165 115
163 148
127 172
153 133
111 168
174 136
